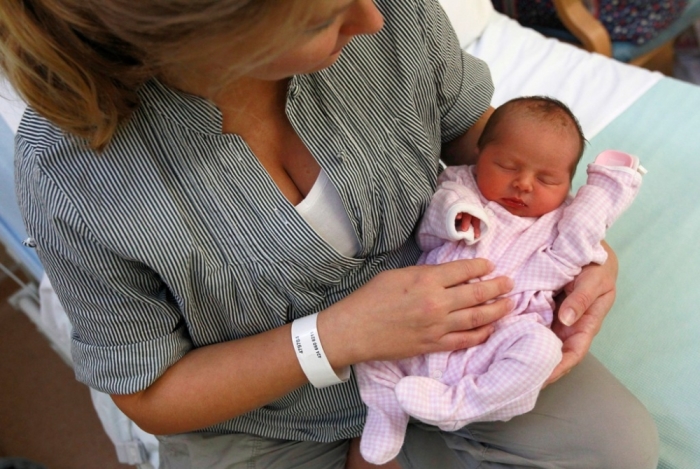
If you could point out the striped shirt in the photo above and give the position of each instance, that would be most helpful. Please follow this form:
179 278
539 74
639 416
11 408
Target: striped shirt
175 237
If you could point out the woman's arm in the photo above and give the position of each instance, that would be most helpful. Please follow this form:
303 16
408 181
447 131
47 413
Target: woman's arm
399 313
463 149
589 297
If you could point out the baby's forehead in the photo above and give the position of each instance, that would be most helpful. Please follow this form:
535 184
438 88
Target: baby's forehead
559 143
555 122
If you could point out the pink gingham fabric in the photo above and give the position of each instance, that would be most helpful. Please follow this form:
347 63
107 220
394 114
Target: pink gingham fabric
500 378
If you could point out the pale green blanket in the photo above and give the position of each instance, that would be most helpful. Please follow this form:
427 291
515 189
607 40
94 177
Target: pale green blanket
651 339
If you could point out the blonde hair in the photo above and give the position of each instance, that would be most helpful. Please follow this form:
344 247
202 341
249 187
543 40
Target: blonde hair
79 63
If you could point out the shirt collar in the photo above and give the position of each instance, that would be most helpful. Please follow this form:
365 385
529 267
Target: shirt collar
193 112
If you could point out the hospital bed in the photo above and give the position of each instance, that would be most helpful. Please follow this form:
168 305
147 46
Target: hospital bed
650 339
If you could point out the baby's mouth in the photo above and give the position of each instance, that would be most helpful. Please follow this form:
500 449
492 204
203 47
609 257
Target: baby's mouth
513 202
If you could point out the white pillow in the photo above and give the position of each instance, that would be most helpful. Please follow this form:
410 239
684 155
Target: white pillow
468 17
11 105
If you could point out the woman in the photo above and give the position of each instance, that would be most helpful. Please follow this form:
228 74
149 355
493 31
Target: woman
202 178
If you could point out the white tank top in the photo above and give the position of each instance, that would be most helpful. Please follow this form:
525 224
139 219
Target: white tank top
323 210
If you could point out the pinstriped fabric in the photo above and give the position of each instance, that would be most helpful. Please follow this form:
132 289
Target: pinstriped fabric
175 237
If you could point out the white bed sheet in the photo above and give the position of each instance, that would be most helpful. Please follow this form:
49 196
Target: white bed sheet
522 62
11 105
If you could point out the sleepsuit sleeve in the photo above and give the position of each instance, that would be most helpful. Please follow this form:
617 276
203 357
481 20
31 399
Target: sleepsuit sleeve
608 192
456 193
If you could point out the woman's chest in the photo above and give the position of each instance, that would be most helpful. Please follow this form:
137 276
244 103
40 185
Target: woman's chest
271 138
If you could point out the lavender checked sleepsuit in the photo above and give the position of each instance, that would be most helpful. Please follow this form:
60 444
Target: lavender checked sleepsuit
500 378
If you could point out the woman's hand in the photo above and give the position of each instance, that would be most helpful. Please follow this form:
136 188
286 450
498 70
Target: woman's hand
415 310
589 297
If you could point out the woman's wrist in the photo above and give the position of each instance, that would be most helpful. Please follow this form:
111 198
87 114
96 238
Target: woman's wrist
339 335
312 357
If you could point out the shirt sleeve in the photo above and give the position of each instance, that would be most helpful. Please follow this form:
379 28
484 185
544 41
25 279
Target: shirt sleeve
125 331
463 82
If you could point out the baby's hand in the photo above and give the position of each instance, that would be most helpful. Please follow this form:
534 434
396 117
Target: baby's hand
464 220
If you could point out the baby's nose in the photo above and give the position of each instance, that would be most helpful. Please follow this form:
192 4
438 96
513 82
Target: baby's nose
523 182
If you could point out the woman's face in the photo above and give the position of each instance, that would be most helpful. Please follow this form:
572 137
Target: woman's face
323 39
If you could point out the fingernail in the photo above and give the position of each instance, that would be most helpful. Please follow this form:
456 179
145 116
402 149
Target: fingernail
567 317
510 283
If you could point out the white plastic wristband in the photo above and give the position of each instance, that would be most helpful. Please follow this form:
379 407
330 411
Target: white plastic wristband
311 356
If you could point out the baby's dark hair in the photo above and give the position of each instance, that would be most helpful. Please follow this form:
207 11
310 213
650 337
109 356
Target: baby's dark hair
537 107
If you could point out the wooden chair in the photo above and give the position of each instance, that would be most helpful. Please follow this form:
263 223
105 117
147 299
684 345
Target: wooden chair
584 29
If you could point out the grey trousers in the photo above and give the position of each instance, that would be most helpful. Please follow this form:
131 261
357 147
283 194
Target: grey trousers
585 420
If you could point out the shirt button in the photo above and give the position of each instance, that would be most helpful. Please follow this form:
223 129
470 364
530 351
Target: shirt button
342 156
437 374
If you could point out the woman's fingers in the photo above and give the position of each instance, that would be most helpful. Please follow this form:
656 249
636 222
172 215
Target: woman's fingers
479 316
594 282
459 272
589 298
464 339
472 294
578 337
420 309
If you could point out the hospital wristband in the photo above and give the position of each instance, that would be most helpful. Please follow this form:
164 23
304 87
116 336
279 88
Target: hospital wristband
311 356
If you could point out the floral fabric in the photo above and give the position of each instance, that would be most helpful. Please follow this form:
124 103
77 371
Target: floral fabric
635 21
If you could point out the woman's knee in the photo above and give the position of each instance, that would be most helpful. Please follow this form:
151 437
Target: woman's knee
614 427
588 419
631 442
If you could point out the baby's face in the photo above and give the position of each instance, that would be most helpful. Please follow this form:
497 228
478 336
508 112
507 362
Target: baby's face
527 169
